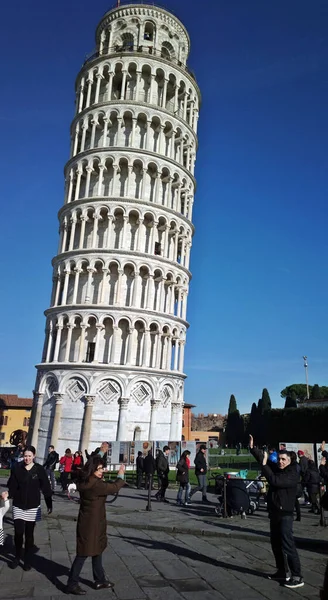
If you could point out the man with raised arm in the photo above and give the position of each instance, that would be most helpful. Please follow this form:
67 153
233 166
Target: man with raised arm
281 501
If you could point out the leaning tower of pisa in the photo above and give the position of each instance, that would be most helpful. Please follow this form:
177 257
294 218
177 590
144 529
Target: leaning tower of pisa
112 364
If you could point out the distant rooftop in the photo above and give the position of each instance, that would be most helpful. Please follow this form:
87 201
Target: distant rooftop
13 401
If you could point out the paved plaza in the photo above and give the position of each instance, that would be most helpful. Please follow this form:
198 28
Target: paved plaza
166 554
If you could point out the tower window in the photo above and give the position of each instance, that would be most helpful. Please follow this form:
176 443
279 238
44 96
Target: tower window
149 32
90 352
158 249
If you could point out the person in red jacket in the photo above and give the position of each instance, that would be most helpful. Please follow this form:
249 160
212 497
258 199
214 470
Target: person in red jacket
77 465
65 467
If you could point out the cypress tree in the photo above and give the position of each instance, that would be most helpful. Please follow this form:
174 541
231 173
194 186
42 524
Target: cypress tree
266 400
232 405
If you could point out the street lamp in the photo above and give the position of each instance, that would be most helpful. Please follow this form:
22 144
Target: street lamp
306 377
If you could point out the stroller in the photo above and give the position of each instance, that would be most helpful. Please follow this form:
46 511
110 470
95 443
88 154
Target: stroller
240 497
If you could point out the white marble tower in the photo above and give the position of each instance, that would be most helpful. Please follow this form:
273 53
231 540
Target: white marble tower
112 365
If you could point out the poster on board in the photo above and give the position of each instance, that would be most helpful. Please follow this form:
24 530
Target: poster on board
113 457
307 448
318 453
143 447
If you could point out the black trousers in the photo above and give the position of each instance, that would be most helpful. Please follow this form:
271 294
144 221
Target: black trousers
163 481
283 544
64 477
24 528
139 479
97 570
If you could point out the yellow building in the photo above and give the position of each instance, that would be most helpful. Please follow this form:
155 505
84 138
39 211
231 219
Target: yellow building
14 414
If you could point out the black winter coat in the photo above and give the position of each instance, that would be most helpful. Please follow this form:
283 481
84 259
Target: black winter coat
324 473
51 461
183 471
304 465
282 486
140 464
25 486
312 481
162 464
149 464
200 463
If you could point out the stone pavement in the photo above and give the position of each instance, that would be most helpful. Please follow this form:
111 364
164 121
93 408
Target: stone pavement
170 553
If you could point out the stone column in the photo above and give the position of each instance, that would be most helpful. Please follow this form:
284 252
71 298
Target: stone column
109 231
50 339
122 433
105 132
103 286
72 234
146 346
110 87
99 78
99 330
58 339
78 184
70 328
87 420
38 403
58 284
164 93
88 290
81 95
82 232
130 344
101 178
64 296
82 342
123 85
168 353
113 344
89 82
76 284
181 357
176 354
175 435
155 404
56 422
119 285
95 231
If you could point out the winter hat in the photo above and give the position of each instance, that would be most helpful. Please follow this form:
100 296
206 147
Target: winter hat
300 453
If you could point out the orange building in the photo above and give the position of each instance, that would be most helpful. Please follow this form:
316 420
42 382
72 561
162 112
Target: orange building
15 414
186 421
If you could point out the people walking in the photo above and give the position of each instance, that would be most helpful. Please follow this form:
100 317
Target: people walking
281 501
163 469
50 466
65 467
200 472
183 478
149 467
91 536
27 480
140 469
3 510
312 481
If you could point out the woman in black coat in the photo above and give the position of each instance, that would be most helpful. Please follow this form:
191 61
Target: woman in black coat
27 480
312 481
183 478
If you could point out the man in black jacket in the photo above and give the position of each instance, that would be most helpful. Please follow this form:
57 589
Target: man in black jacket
163 469
50 465
149 467
281 501
200 472
140 469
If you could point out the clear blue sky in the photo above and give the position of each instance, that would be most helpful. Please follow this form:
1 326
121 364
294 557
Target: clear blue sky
258 299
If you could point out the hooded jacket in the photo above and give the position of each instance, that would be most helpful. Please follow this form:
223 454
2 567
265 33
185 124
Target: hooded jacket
282 486
183 471
162 465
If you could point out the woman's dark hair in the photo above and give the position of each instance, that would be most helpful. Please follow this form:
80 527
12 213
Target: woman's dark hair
90 467
185 454
30 449
68 451
293 457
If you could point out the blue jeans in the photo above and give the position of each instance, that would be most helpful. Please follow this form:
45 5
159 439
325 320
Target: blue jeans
202 485
187 488
97 569
51 476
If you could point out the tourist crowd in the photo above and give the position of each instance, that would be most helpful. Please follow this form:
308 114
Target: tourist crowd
285 478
